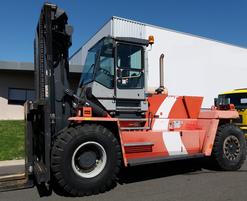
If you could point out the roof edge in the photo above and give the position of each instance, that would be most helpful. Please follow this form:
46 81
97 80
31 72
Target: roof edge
156 26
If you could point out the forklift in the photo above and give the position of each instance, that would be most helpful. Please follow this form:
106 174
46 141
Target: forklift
237 97
79 140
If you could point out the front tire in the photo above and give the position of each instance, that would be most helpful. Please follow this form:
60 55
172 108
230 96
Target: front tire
229 150
86 159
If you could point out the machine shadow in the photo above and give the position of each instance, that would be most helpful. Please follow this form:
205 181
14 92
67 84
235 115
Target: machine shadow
138 174
166 169
153 171
142 173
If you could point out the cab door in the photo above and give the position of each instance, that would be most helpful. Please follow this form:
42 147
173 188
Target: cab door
129 63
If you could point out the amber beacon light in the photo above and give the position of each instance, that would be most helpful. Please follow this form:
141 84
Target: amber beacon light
151 40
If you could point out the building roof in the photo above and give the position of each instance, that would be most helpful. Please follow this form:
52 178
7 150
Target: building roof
28 66
179 32
159 27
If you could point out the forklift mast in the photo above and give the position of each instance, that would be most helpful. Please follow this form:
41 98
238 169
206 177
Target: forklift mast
48 114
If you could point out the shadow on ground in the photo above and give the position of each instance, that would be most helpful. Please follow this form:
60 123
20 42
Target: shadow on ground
145 172
153 171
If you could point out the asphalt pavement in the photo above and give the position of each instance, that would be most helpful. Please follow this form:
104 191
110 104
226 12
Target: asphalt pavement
185 181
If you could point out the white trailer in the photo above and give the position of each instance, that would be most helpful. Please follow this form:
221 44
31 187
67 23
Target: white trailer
193 65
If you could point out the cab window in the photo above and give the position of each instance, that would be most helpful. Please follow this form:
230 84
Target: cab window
89 66
105 68
130 66
238 99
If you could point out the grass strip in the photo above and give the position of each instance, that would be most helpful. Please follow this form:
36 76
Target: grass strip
11 139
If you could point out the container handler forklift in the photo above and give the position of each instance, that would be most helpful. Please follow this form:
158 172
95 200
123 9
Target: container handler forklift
80 141
237 97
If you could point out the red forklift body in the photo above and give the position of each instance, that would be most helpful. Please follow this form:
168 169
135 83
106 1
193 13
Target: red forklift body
174 128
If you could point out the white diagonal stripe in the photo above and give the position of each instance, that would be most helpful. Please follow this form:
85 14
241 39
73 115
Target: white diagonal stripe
166 106
173 143
160 125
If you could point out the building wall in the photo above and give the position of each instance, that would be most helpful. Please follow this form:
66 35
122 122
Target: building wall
20 80
13 79
195 66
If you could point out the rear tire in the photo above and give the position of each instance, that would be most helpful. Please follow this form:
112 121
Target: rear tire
86 160
229 150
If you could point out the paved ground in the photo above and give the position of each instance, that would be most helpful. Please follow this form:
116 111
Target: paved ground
185 181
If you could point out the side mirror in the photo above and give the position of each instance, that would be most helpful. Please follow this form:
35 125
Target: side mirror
216 102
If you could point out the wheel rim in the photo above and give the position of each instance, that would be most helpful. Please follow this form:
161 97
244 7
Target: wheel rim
89 159
231 147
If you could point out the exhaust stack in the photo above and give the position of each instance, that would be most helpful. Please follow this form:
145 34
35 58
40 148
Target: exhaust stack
161 87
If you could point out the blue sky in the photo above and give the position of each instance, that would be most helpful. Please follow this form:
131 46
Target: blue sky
223 20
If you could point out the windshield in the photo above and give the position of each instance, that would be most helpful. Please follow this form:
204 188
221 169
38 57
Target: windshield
104 70
239 99
99 64
88 69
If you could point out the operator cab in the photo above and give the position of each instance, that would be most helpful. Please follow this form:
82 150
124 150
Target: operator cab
237 97
114 70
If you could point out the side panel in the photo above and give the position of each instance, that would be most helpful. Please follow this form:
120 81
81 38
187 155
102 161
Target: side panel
173 133
136 144
210 125
218 114
161 143
192 141
150 145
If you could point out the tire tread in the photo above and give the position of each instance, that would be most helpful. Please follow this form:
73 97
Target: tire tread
217 156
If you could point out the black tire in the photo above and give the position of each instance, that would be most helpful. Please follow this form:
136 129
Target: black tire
64 159
229 150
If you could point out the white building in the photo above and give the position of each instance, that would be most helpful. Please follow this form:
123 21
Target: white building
193 65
